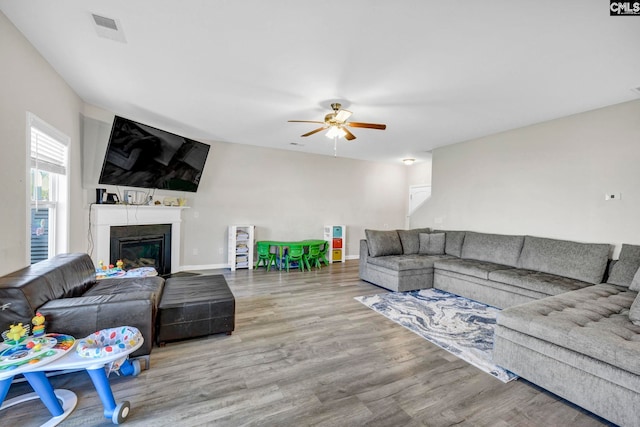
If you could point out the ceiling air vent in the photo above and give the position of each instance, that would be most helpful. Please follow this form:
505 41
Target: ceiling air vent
108 28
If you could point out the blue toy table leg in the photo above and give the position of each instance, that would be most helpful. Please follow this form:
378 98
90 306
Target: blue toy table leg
60 403
4 388
41 385
116 413
101 383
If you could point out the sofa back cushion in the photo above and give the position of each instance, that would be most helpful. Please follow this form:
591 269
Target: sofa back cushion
628 263
382 242
453 242
410 240
432 243
496 248
580 261
25 290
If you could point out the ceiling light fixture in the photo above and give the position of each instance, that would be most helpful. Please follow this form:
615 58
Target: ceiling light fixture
335 131
408 162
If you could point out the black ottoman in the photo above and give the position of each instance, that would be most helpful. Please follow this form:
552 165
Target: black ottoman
194 307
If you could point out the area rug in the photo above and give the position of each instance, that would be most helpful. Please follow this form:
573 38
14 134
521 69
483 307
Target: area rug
459 325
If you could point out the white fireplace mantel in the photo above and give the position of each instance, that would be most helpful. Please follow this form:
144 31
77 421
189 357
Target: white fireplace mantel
103 217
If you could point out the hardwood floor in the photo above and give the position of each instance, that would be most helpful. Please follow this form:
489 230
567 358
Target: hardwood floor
304 352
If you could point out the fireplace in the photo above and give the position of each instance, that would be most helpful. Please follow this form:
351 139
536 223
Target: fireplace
142 246
105 217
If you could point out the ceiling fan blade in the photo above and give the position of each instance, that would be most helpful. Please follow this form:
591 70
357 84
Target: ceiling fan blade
304 121
367 125
343 115
348 135
314 131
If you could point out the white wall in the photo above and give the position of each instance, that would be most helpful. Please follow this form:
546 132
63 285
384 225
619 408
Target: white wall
30 84
548 180
417 174
288 195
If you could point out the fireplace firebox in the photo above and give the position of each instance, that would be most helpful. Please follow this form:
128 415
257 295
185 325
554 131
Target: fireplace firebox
142 246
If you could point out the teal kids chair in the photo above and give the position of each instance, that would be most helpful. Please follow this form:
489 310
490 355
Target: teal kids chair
265 256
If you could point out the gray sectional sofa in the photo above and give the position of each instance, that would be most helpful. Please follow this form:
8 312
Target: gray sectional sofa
499 270
561 327
582 345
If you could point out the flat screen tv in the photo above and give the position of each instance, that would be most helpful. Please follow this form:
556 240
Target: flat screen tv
143 156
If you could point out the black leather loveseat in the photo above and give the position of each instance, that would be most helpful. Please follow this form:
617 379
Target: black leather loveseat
65 290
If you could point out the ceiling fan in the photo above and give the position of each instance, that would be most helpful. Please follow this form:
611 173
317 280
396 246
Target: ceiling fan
337 124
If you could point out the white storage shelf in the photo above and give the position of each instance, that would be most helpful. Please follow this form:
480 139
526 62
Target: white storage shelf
241 244
336 235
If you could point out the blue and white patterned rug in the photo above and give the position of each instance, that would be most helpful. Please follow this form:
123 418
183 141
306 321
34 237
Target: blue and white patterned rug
459 325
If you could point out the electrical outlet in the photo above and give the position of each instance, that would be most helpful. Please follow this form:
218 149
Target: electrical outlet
195 251
438 220
220 251
196 214
613 196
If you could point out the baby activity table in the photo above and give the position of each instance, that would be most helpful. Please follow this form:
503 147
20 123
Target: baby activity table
58 352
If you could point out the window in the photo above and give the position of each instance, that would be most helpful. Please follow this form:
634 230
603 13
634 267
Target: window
48 189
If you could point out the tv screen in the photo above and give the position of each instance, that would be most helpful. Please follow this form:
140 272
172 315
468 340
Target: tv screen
143 156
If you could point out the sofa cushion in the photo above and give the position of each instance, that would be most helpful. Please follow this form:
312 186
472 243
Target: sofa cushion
496 248
549 284
453 242
628 263
150 286
634 311
432 244
635 283
470 267
406 262
410 240
592 321
581 261
383 243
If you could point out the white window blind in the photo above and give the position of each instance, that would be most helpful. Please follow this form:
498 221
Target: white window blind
47 153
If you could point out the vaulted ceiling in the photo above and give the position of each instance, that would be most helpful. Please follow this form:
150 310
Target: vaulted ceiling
436 72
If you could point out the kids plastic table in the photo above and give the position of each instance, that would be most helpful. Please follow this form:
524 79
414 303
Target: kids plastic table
57 354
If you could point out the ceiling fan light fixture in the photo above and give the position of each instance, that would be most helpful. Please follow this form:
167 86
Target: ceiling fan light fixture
335 132
408 161
335 123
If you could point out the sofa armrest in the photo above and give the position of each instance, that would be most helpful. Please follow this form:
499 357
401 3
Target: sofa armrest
364 255
81 316
23 291
364 249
